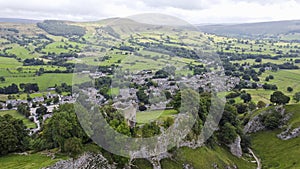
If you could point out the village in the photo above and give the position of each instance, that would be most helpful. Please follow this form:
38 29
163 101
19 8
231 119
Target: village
36 103
145 91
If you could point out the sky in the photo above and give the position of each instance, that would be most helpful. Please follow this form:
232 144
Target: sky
192 11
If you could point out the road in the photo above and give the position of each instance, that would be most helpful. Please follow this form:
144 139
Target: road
256 159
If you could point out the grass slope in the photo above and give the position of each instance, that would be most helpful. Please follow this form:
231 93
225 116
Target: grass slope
276 153
205 157
146 117
31 161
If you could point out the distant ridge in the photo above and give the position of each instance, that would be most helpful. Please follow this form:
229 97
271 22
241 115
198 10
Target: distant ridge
17 20
253 29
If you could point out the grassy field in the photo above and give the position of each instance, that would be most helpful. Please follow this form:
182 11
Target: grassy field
17 115
21 52
58 47
282 79
146 117
31 161
276 153
9 63
205 157
47 80
295 120
248 46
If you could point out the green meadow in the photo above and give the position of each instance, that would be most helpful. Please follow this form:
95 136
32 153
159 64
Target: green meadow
47 80
148 116
17 115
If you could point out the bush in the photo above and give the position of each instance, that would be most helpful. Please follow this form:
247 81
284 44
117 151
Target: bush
271 120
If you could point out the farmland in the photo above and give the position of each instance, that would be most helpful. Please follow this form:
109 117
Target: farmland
51 63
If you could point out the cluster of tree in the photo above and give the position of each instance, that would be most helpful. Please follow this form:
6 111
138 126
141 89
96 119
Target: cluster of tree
233 95
279 98
13 134
268 78
246 97
169 50
142 96
63 88
267 86
161 74
2 79
271 120
11 89
125 48
10 30
60 28
24 109
33 62
103 85
63 131
29 87
61 55
9 55
288 65
296 97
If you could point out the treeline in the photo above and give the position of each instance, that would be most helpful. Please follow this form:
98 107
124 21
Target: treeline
10 30
14 89
244 56
59 28
169 50
29 87
33 62
11 89
60 56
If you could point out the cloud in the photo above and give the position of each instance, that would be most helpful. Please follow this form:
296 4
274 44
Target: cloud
195 11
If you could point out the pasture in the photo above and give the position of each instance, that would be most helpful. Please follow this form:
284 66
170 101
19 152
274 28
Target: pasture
31 161
47 80
17 115
148 116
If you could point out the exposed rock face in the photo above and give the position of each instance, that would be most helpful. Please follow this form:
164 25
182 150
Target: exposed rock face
254 125
86 161
289 134
235 147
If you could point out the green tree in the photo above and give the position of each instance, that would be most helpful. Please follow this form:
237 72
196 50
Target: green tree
289 89
13 135
271 120
279 98
2 79
41 110
73 146
62 126
9 106
246 97
23 109
296 97
241 108
227 133
261 104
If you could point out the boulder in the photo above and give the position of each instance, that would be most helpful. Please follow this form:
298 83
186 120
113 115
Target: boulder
235 147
